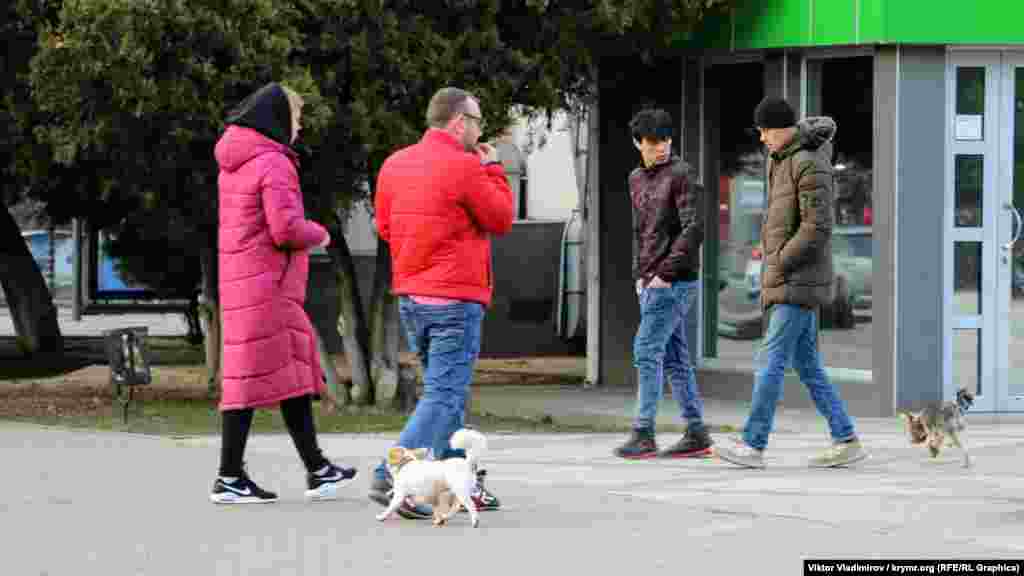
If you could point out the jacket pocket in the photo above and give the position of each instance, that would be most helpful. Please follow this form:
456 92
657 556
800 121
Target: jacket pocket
773 275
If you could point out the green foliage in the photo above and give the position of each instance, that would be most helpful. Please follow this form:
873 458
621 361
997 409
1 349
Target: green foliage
127 97
146 83
138 90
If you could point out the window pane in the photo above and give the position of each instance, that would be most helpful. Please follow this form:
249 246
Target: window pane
1016 343
970 90
846 94
969 183
741 185
841 88
966 278
966 360
970 101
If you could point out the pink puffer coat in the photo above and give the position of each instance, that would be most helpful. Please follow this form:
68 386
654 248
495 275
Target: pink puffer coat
270 351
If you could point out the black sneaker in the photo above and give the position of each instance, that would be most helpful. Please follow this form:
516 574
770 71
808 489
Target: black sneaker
640 445
483 498
325 486
242 491
381 492
691 445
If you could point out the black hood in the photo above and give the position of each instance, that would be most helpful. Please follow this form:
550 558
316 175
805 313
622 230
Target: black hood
267 112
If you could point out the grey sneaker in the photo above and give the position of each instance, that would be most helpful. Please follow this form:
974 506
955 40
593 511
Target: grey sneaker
741 454
839 454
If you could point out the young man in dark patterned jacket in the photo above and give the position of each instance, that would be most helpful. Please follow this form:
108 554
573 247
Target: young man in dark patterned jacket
667 234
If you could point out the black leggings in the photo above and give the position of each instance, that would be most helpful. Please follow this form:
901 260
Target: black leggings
298 417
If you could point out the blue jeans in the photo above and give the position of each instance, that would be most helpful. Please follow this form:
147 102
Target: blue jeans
792 338
660 350
446 338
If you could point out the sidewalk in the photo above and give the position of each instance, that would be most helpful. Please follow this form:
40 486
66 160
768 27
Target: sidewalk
613 408
130 504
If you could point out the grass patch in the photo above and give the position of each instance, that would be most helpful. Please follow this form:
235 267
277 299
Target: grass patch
175 415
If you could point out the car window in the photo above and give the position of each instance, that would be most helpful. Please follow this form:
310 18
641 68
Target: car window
852 245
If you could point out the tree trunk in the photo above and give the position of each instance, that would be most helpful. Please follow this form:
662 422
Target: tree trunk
384 331
351 321
337 392
392 390
194 320
209 307
29 299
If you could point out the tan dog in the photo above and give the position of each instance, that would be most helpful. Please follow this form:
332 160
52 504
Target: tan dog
444 484
932 425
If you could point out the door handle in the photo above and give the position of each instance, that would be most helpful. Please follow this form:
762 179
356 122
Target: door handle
1018 228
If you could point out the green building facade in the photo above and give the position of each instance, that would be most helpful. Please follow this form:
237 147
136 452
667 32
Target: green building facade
928 97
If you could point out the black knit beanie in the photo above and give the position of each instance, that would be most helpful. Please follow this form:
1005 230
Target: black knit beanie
774 113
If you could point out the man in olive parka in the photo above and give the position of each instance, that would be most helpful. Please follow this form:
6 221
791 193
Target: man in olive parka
796 281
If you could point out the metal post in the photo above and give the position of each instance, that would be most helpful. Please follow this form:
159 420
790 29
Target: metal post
76 270
592 261
51 259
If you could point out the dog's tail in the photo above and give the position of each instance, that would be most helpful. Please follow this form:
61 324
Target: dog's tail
472 442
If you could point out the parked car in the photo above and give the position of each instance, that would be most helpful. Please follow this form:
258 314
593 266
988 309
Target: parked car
852 262
851 259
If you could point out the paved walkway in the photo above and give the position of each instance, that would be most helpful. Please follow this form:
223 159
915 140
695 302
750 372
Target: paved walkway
94 325
79 502
76 502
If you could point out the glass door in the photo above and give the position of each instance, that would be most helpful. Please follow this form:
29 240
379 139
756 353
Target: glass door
973 218
1010 375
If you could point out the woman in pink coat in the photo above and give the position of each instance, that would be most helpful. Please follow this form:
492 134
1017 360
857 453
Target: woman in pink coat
270 353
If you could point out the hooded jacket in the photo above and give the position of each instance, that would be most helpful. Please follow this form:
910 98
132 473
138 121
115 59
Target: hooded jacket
796 232
270 351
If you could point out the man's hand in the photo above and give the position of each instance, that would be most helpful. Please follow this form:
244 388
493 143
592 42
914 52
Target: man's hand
326 242
657 282
486 152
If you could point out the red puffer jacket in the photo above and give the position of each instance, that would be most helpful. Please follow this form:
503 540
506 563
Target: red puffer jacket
436 207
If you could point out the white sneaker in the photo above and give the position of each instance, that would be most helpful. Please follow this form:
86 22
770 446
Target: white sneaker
741 454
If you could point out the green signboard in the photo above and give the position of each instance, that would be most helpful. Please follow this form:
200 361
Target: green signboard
761 24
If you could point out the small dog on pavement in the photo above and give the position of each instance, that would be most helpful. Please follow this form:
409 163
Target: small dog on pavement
932 425
444 484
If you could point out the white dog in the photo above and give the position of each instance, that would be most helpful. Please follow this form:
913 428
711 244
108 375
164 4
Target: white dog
444 484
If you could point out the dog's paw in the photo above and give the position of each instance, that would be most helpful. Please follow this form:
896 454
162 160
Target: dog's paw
382 517
476 522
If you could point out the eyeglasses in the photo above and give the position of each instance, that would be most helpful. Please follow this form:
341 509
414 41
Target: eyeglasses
479 121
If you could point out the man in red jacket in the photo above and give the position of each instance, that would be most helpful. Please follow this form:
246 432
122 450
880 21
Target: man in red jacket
437 204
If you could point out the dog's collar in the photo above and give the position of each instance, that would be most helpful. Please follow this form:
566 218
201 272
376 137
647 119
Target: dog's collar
405 460
408 456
